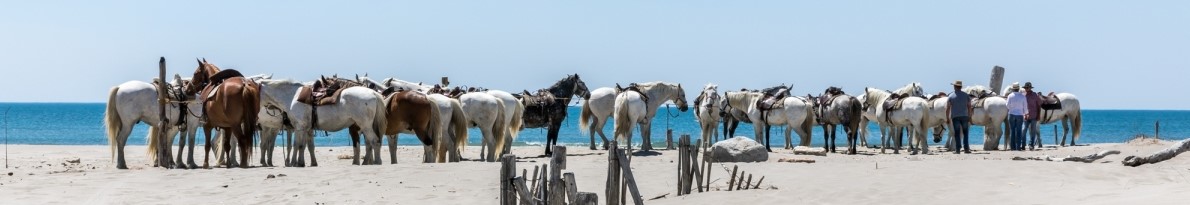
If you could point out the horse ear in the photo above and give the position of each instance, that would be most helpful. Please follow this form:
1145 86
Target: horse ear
199 61
356 76
204 60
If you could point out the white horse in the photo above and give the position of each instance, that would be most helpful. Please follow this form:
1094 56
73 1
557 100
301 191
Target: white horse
452 130
794 112
595 112
513 117
1070 115
136 101
937 107
707 107
909 116
359 108
486 112
640 107
992 115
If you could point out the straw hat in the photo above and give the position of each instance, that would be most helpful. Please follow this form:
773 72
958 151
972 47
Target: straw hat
1028 85
958 83
1016 86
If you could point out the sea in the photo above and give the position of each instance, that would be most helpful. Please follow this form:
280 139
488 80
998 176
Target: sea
82 124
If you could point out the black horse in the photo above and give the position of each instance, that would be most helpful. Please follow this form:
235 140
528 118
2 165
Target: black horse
547 108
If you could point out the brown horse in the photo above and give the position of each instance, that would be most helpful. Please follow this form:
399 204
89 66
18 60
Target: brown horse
410 110
230 102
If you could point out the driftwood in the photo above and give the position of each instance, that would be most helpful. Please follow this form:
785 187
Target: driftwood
1166 154
1084 159
792 160
804 150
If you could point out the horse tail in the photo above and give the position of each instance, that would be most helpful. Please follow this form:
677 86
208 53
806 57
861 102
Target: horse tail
585 117
111 120
250 92
380 120
498 128
518 121
434 124
623 120
811 120
152 138
458 123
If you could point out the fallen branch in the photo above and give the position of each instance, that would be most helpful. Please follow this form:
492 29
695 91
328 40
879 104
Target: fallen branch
803 150
1084 159
1166 154
792 160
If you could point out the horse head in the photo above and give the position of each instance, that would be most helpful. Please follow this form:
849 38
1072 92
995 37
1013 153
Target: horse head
201 77
580 87
680 98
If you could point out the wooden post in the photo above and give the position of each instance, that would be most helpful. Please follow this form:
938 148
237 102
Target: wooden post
669 139
523 192
740 182
507 172
1157 129
630 181
557 190
1056 142
681 165
748 185
571 188
758 183
731 182
162 97
612 190
586 198
697 174
533 181
542 189
707 173
997 80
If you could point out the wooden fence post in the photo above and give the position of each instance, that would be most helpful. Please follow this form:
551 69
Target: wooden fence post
612 190
556 189
507 172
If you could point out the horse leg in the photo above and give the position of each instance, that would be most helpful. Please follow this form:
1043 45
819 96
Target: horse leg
646 140
207 148
788 137
826 137
768 143
488 155
310 147
355 146
392 148
599 128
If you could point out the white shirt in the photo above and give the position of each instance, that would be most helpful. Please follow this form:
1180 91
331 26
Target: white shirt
1017 103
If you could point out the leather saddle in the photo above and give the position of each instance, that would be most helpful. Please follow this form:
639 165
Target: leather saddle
893 102
324 91
542 98
772 97
1051 102
634 88
830 95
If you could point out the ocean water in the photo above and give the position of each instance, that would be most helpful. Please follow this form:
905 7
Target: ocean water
82 124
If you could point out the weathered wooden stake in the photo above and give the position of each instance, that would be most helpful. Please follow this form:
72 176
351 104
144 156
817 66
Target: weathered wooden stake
669 139
586 198
758 182
731 182
1157 129
612 190
523 192
507 172
749 184
571 188
630 181
557 188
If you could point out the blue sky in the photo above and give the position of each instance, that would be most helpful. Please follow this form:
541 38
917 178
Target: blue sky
1106 52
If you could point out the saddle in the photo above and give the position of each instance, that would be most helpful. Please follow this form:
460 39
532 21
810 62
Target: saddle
893 102
325 91
1051 102
831 93
634 88
772 97
543 98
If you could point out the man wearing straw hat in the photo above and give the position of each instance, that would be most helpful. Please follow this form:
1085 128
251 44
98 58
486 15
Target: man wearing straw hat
1017 104
959 117
1032 114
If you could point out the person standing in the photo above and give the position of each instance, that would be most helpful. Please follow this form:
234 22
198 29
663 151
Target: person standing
1017 104
1032 114
959 117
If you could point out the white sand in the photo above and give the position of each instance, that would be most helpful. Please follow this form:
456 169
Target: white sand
42 175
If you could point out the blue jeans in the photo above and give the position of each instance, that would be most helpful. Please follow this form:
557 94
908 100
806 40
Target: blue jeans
1016 134
961 127
1033 130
